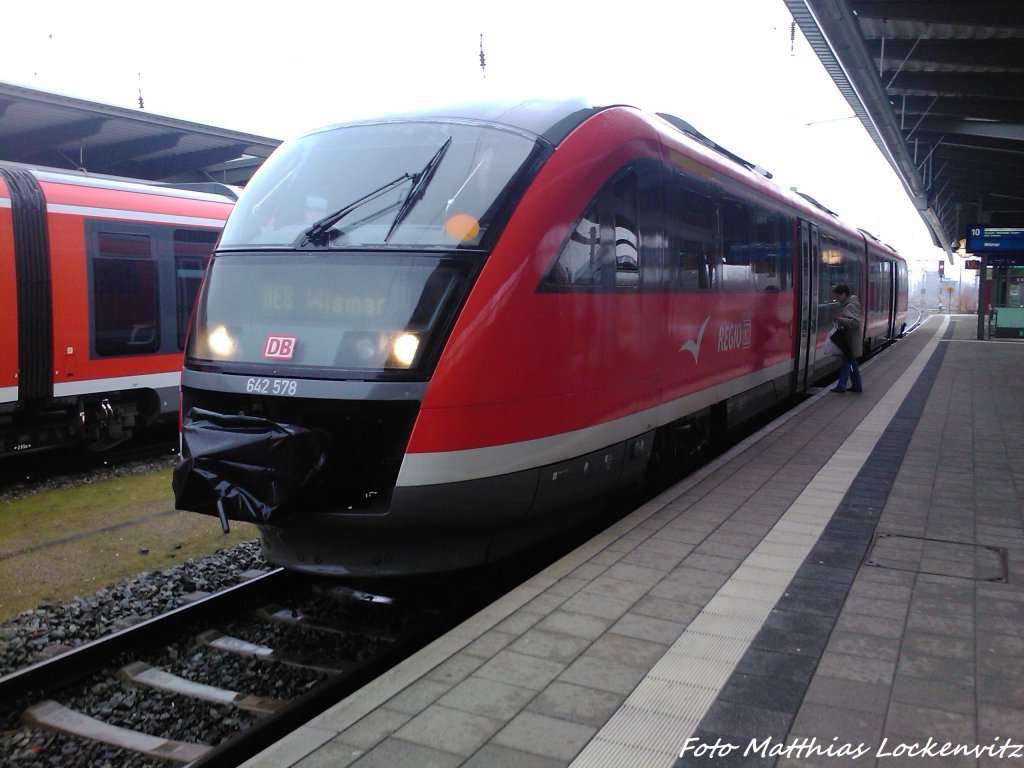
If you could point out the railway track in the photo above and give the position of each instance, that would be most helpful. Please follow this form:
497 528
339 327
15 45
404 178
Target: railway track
243 667
352 634
32 470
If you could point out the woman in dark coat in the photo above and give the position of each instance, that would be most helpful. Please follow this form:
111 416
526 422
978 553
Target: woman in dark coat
848 321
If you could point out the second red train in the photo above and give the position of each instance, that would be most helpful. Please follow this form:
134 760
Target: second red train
98 276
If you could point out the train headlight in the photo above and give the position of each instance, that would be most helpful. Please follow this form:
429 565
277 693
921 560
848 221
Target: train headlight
222 343
403 349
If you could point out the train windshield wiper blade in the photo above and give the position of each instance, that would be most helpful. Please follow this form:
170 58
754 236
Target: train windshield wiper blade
317 233
419 186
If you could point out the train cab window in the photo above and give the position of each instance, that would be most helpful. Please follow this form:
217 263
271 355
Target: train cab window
336 316
192 251
125 295
603 250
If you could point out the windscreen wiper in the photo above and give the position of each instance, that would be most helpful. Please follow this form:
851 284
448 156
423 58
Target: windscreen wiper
419 186
318 232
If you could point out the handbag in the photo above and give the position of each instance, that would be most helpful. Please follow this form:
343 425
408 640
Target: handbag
836 343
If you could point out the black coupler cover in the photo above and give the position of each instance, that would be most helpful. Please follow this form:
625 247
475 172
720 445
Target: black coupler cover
254 467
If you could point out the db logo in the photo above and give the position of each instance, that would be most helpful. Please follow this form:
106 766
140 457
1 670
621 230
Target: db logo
280 347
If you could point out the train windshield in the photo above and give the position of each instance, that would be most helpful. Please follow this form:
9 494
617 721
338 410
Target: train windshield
328 315
400 184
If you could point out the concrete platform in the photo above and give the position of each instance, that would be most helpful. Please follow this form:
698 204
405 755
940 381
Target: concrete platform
841 587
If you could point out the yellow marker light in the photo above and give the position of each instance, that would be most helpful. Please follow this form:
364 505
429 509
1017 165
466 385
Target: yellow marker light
221 342
404 348
462 226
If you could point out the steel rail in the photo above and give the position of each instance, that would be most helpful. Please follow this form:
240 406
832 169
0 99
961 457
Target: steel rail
271 729
49 675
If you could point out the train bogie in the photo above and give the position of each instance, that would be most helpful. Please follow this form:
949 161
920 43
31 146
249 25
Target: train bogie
461 351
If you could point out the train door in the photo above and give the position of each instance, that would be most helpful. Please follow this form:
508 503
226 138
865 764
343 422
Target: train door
807 296
31 290
901 297
895 283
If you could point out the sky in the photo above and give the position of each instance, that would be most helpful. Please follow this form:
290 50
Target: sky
728 67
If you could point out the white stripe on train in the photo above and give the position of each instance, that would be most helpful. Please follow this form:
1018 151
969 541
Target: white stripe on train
476 463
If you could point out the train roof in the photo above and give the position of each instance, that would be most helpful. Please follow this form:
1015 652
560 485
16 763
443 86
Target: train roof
554 120
212 189
549 120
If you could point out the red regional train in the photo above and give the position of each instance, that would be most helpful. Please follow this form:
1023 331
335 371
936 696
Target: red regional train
99 278
428 341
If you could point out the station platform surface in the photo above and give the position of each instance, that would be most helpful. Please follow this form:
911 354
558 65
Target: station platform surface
846 587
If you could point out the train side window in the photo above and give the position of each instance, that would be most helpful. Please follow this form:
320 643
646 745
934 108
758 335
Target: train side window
125 295
769 253
603 250
832 271
840 263
579 262
693 238
737 244
855 272
879 286
627 232
192 251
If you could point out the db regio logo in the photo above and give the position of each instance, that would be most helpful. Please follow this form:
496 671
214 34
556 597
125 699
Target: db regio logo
734 336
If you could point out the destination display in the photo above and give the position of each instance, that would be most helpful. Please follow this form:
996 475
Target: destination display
999 239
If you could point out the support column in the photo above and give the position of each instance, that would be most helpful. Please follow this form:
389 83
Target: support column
982 308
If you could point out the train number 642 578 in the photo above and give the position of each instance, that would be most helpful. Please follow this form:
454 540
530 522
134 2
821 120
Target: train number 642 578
261 386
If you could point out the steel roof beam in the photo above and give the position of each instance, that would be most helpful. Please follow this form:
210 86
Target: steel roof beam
166 168
979 128
833 32
961 107
1000 13
109 156
1007 85
992 55
27 145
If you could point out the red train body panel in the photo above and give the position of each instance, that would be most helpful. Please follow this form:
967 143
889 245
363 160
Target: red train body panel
639 368
99 275
618 291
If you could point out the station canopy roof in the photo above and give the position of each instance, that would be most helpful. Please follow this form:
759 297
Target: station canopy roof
47 129
939 85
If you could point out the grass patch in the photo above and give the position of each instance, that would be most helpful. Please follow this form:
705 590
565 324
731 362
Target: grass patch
72 541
